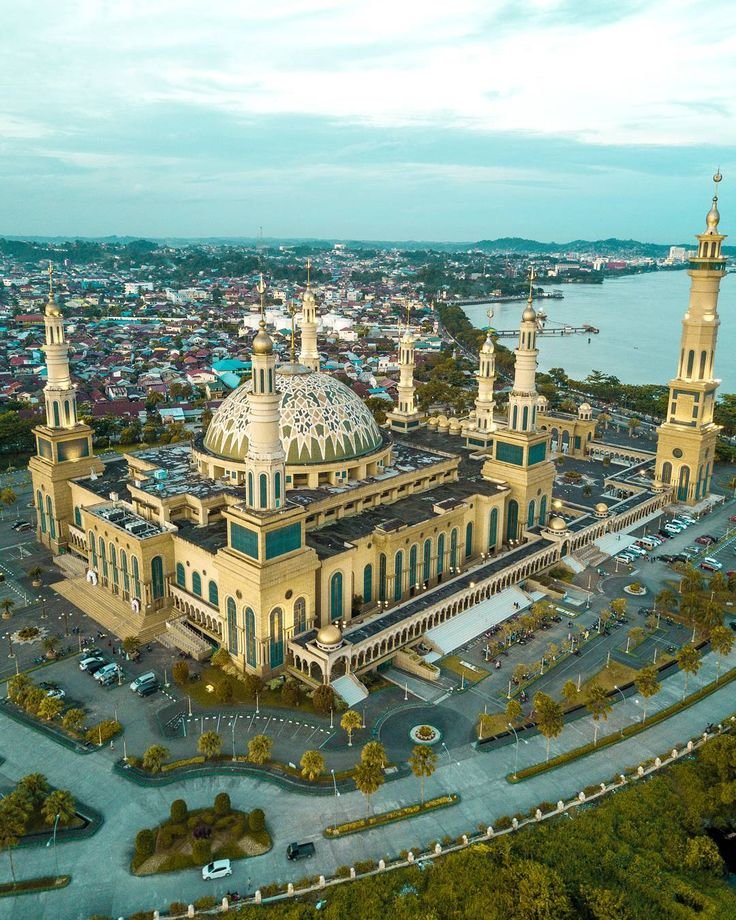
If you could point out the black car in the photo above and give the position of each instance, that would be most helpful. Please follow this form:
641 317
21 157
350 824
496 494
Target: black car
300 850
148 689
664 534
97 666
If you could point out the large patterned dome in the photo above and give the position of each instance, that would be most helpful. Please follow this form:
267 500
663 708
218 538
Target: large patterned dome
322 420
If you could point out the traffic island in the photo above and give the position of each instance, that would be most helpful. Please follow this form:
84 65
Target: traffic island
34 885
389 817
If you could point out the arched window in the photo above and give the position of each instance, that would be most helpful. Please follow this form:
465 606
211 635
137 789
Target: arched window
197 584
263 490
181 575
136 576
493 528
690 363
300 615
543 509
525 418
78 516
92 542
427 561
41 510
103 558
413 553
67 416
382 577
683 487
277 637
251 497
530 512
368 584
232 626
453 548
250 637
262 377
157 577
703 359
469 540
512 520
50 515
213 594
336 596
55 408
440 554
277 486
124 569
514 417
667 472
398 575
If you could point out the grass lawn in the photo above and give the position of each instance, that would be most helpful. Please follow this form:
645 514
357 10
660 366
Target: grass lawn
212 676
494 724
615 675
454 664
230 837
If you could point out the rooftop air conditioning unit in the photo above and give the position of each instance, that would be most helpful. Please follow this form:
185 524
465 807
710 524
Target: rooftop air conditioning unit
114 496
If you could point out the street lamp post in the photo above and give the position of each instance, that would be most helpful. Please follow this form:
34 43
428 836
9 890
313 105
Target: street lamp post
11 652
619 690
516 753
337 796
44 615
232 725
52 841
449 758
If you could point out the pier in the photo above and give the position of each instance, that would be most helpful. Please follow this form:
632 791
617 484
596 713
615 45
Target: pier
545 330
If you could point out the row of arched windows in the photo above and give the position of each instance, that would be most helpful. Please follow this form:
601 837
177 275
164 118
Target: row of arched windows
46 514
213 594
263 499
705 364
116 564
276 640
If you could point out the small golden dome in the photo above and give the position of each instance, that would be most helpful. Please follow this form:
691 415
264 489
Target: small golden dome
529 316
601 508
432 421
329 635
713 217
262 344
557 524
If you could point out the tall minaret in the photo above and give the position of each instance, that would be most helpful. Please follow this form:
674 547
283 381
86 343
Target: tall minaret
59 392
523 397
63 444
686 441
309 355
479 431
405 415
520 452
265 460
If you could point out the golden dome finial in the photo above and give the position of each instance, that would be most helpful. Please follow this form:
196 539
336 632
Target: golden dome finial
292 314
51 308
309 266
713 217
262 290
529 316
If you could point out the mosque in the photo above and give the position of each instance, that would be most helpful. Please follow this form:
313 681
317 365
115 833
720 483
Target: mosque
301 536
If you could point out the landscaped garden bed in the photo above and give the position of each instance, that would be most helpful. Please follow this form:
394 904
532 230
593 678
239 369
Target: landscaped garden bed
34 885
389 817
193 838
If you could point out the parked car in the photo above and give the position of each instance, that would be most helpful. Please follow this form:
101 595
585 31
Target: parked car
663 533
86 663
709 564
107 670
18 524
52 690
300 850
218 868
148 689
146 678
705 540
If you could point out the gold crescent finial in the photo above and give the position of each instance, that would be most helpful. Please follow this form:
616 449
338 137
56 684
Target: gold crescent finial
309 266
51 279
532 276
262 291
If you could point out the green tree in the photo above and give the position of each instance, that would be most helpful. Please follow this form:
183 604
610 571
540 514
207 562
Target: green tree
7 604
549 716
423 763
323 698
688 660
374 753
13 822
178 811
154 758
209 744
180 672
721 641
513 711
259 749
618 606
350 722
666 598
131 646
73 720
702 855
49 709
8 497
569 692
223 806
59 802
36 786
368 778
312 764
599 705
647 683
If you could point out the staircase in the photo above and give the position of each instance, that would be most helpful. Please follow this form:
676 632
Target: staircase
112 613
71 566
179 636
590 556
350 689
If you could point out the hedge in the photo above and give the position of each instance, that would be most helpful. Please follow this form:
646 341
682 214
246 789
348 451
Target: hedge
389 817
34 885
628 732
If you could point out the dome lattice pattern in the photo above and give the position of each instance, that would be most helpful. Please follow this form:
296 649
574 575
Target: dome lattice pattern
322 420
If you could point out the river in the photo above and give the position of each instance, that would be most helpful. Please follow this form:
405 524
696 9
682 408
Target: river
639 317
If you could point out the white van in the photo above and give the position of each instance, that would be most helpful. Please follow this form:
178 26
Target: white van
649 544
148 678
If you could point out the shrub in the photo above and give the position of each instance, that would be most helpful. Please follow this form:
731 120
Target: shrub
177 830
207 902
344 871
202 832
175 862
323 698
364 865
224 691
221 658
192 822
177 907
291 693
181 672
201 852
142 915
226 821
503 823
222 804
145 843
240 825
178 811
206 816
103 731
165 837
253 684
73 720
228 850
268 891
256 820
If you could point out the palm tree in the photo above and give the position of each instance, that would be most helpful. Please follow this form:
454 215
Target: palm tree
423 763
604 418
569 692
7 604
131 645
259 749
368 778
374 754
12 827
688 658
634 423
550 717
618 606
350 722
599 705
59 802
73 720
721 641
36 785
513 710
209 744
666 598
49 709
647 683
312 764
50 644
154 758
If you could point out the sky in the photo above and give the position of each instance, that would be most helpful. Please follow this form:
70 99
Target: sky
366 119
